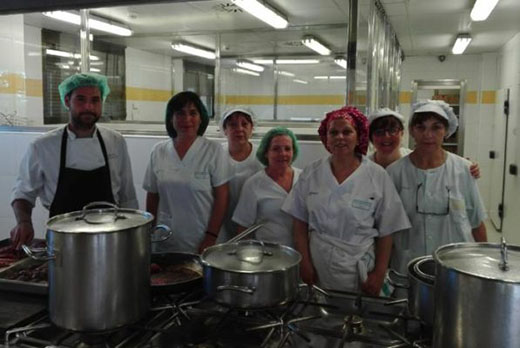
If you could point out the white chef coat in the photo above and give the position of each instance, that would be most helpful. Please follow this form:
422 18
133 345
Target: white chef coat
242 170
261 200
449 186
403 150
345 218
40 166
185 189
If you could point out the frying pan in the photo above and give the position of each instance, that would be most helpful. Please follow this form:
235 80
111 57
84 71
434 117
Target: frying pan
177 258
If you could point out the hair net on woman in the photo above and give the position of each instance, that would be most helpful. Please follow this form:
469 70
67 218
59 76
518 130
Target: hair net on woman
266 141
356 118
83 80
439 107
180 100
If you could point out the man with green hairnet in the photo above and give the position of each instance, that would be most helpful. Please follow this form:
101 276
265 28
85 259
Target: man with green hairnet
74 165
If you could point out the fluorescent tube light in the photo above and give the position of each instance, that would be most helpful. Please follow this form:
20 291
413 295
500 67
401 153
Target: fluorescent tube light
338 77
342 62
95 70
245 71
262 12
65 54
303 82
251 66
284 73
321 77
297 61
95 24
461 43
199 52
482 9
316 46
263 61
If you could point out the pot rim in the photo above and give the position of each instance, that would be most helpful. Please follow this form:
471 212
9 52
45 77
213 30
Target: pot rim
412 272
461 246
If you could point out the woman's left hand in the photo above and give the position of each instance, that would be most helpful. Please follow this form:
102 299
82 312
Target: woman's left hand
474 170
373 284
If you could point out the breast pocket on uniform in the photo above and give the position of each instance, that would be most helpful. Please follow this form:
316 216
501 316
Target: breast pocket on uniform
363 210
201 181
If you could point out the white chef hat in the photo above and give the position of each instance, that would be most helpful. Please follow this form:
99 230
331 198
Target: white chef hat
441 108
384 112
231 111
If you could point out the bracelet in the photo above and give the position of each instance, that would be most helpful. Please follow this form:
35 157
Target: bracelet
212 234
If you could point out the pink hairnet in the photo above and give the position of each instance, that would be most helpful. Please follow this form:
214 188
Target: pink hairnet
356 118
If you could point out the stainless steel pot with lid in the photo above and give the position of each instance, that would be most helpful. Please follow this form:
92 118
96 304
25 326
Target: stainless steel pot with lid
99 267
251 274
477 294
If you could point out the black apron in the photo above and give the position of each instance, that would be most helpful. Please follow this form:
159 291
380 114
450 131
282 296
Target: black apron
76 188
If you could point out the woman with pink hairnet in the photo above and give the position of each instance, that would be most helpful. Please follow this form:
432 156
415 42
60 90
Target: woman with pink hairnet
345 209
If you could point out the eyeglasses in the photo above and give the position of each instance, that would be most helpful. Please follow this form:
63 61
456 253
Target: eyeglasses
442 212
391 131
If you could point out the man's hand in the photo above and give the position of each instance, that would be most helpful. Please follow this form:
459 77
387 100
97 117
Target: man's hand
23 233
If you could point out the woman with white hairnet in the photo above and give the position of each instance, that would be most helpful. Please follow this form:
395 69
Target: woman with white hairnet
237 124
439 194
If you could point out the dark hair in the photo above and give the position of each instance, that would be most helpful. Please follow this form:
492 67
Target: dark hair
421 117
243 114
384 123
179 101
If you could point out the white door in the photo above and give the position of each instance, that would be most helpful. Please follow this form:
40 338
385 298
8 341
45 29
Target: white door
498 159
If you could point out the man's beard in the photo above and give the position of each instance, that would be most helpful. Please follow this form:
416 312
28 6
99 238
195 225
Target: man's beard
79 122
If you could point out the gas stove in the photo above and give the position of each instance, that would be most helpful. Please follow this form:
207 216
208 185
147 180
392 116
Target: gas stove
316 318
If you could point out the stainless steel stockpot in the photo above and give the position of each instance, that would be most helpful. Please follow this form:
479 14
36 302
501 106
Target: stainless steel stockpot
421 275
251 274
99 268
477 296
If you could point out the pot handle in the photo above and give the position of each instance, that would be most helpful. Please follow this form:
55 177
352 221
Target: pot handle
400 275
244 289
37 253
164 228
86 208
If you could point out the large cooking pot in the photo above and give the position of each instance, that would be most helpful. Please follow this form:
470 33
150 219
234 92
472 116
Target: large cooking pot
477 295
251 274
99 267
421 273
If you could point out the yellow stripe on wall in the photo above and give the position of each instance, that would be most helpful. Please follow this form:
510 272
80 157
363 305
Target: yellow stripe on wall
16 84
147 94
471 97
283 99
405 97
33 88
488 97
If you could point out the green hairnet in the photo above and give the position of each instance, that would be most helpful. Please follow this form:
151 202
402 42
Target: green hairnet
266 142
83 80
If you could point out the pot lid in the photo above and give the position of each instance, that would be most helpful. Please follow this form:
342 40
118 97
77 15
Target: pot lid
251 256
99 220
483 260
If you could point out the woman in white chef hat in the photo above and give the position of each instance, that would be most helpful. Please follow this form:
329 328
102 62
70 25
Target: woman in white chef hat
237 124
439 194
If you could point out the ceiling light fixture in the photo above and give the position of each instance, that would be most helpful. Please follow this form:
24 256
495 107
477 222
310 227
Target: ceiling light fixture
303 82
95 24
195 51
315 45
263 12
249 65
65 54
245 71
297 61
285 73
461 43
337 77
342 62
263 61
482 9
321 77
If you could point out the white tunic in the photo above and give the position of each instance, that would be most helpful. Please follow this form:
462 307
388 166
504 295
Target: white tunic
242 170
450 203
185 189
345 218
40 166
403 150
261 201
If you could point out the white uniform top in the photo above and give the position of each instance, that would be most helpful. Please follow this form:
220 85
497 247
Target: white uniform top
242 170
261 200
403 150
345 218
40 166
450 203
185 189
